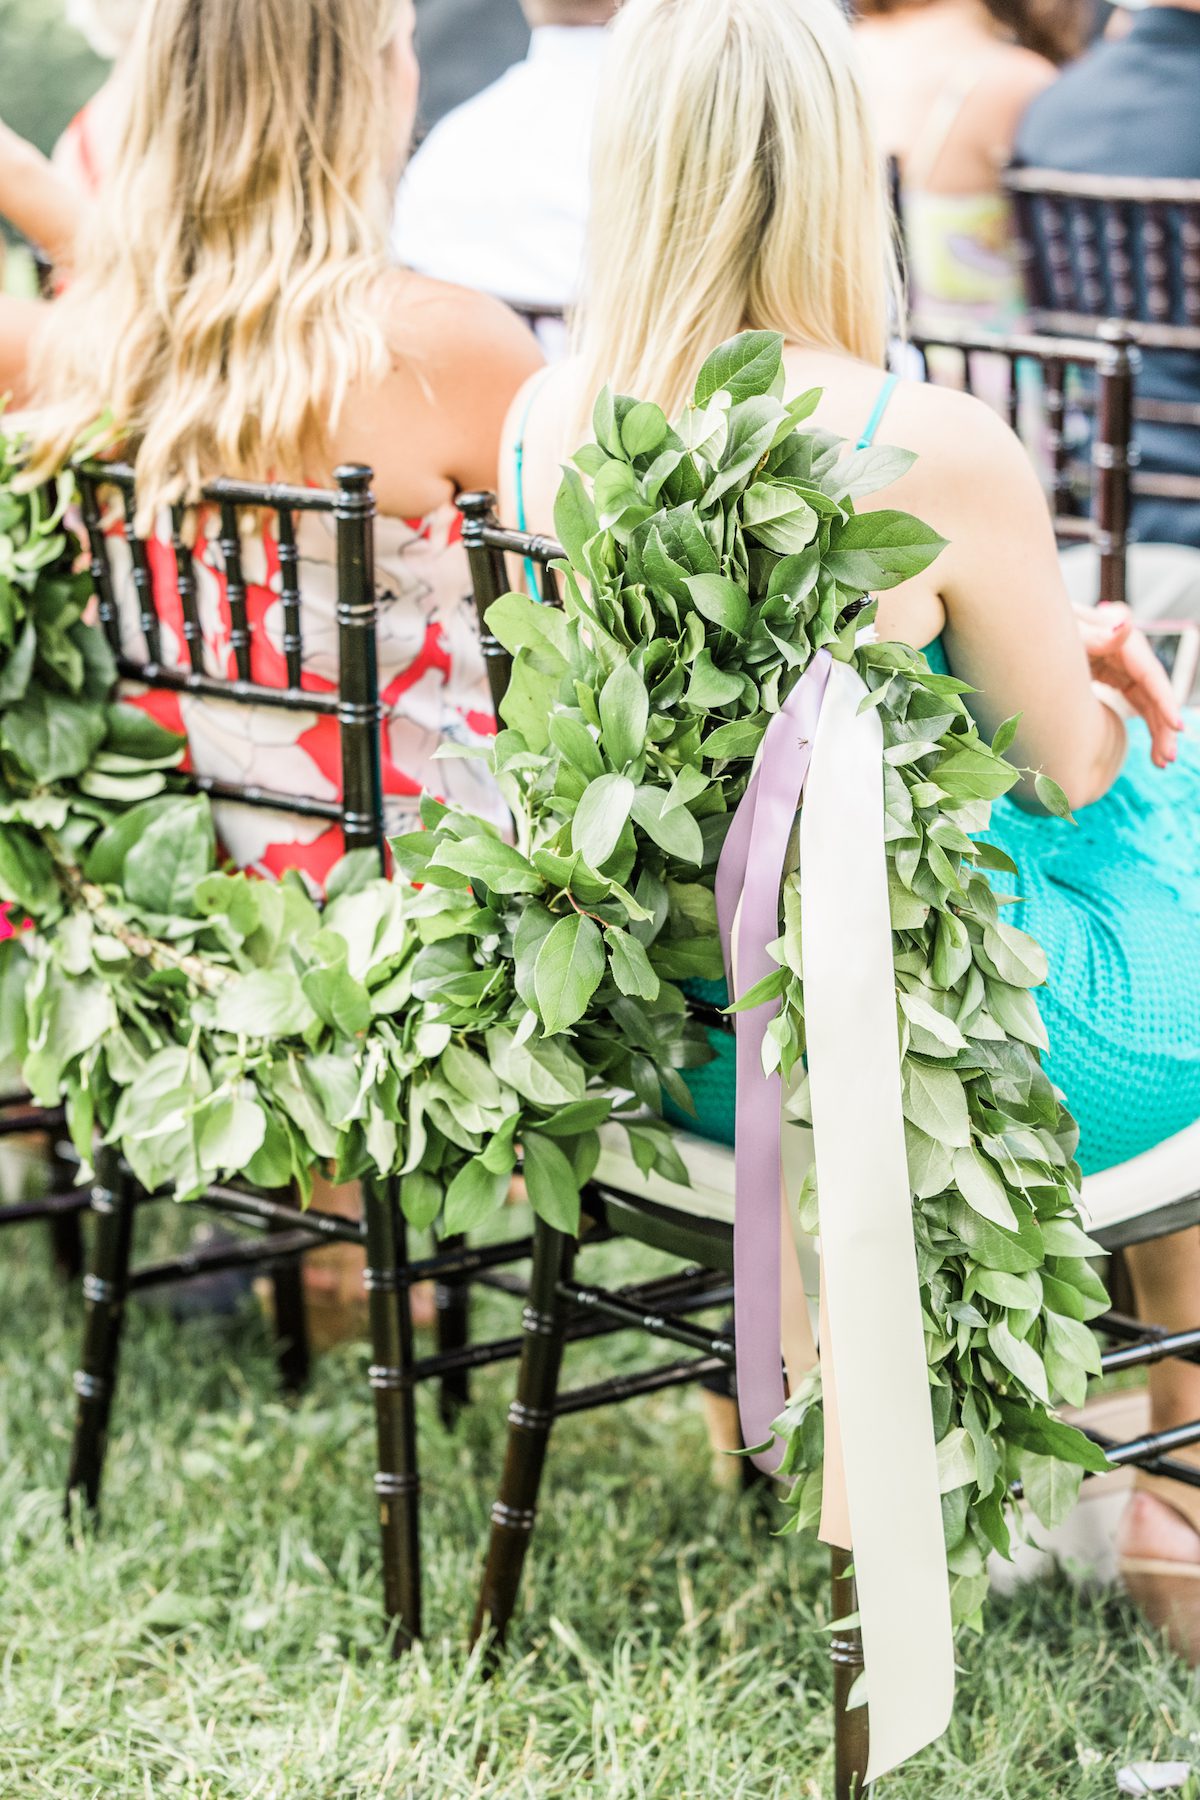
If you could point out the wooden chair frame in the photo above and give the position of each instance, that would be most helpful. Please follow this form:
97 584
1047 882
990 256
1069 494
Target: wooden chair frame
282 1232
557 1299
1097 250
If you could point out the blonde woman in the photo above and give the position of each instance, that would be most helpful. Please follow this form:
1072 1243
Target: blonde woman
232 309
737 184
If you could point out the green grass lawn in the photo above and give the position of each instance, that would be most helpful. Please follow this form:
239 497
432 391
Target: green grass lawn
219 1637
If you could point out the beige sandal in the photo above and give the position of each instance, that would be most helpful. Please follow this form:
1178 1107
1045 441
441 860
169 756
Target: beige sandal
1165 1591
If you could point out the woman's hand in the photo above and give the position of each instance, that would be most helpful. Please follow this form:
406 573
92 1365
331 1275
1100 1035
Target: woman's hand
1120 658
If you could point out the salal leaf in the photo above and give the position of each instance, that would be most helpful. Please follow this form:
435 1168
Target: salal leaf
631 968
551 1182
643 428
601 817
569 968
865 471
722 601
982 1188
936 1102
575 521
624 715
486 859
672 828
881 549
778 517
750 363
474 1195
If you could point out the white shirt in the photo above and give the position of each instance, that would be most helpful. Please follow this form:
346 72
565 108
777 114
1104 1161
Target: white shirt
496 197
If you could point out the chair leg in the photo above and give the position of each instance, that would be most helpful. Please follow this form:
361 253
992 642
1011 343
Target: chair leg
397 1484
846 1652
530 1418
104 1290
66 1245
292 1352
66 1229
452 1301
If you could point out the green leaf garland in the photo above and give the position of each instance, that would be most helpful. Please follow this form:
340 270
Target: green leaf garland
500 999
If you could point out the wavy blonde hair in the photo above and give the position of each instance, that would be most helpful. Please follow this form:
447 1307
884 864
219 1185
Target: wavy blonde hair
221 307
736 184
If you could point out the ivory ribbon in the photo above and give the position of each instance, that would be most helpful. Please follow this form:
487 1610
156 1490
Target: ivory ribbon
879 1423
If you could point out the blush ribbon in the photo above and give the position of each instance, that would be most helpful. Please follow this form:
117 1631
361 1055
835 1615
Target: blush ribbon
881 1494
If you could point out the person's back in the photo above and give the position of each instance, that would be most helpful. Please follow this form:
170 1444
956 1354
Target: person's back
496 197
1129 107
947 82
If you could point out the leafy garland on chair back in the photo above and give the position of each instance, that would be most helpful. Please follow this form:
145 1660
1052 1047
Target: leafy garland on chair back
493 1000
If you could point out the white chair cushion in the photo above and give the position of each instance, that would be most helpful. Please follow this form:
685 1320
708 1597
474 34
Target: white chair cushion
1158 1178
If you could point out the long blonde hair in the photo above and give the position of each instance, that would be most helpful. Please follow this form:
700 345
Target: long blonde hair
736 184
221 305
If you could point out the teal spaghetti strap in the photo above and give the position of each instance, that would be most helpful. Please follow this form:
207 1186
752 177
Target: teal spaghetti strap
519 472
876 418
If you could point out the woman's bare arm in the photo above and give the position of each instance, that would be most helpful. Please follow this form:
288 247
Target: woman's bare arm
35 198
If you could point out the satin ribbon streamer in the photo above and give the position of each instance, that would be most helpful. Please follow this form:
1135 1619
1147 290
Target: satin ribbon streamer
873 1350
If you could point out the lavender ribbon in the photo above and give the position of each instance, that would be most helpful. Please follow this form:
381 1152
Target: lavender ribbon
750 873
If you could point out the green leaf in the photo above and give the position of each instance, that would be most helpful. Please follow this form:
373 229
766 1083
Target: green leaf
624 715
722 601
672 828
521 623
421 1198
710 687
569 968
643 429
982 1188
1015 956
881 549
232 1132
172 855
866 471
575 521
1019 1358
631 966
18 667
489 861
1005 733
1051 1487
1052 1437
266 1003
779 517
935 1101
551 1183
53 736
601 817
473 1196
748 364
1052 797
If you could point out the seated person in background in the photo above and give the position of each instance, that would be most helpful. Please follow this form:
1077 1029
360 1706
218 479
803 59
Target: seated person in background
464 45
707 220
1129 107
496 197
946 83
255 196
87 147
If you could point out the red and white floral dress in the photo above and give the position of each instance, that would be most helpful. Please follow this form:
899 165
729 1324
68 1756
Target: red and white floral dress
432 681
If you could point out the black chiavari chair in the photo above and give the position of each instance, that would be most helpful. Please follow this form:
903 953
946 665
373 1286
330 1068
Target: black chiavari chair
280 1232
1097 249
1153 1195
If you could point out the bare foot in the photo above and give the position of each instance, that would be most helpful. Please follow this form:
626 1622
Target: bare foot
1153 1531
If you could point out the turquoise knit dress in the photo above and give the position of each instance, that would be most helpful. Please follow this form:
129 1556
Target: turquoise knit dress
1114 900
